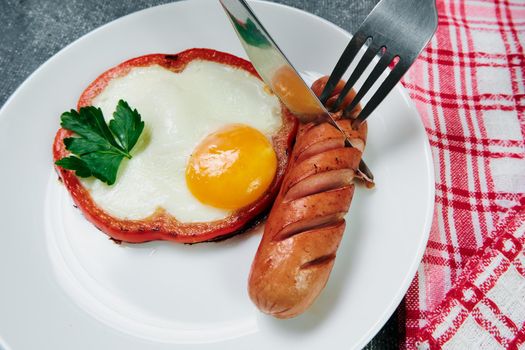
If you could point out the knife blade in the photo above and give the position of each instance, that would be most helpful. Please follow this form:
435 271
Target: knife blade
277 72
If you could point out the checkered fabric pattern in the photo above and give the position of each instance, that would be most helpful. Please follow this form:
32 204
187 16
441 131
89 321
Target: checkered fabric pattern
469 88
486 307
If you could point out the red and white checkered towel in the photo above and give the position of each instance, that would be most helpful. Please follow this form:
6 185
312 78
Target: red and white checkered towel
469 87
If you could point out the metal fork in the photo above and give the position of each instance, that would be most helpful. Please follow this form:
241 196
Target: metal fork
395 29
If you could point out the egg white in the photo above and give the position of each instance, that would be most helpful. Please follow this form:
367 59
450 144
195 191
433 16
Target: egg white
179 110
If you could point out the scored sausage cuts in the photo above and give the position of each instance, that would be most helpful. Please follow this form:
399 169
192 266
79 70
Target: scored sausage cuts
306 223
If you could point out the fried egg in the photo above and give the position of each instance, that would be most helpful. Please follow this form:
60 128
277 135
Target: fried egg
207 145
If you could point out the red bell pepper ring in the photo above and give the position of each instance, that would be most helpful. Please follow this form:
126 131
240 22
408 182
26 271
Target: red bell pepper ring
161 225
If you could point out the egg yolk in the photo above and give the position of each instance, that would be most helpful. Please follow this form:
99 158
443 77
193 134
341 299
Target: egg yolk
294 93
231 167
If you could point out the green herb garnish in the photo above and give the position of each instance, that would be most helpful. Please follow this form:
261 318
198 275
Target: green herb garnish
99 149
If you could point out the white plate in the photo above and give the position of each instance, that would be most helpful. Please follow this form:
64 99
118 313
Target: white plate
64 285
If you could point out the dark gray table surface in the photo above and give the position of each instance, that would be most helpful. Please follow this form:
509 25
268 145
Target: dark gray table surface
34 30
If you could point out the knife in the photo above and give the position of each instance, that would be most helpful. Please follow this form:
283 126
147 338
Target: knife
277 72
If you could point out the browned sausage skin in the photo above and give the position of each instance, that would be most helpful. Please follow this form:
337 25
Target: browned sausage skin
306 223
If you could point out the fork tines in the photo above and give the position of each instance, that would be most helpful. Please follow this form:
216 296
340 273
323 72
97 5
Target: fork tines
396 31
351 51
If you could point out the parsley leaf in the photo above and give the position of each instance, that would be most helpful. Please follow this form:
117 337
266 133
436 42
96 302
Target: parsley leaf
126 125
99 149
74 163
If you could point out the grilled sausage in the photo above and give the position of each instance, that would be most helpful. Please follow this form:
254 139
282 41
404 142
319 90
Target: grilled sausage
306 223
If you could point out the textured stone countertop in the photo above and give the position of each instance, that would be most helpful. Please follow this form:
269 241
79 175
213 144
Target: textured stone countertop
34 30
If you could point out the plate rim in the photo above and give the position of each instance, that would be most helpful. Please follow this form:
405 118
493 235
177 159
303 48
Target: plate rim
399 88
